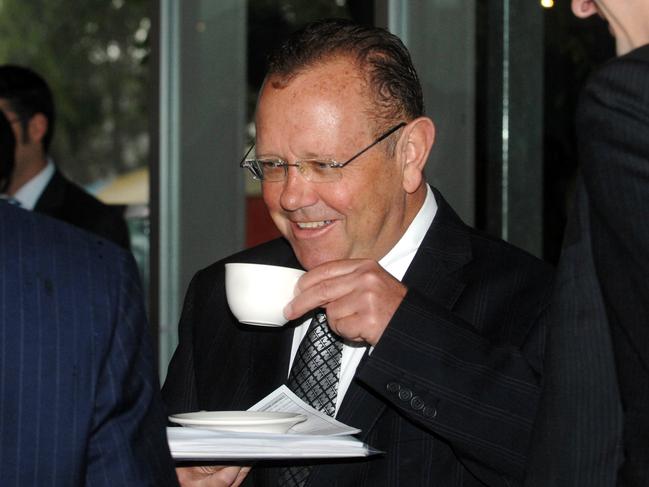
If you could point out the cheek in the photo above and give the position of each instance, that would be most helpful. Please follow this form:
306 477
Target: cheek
345 197
270 195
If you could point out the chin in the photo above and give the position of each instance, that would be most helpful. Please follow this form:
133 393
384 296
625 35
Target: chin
310 259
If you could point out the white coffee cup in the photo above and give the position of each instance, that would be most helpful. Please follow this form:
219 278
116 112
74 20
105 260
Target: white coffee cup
258 293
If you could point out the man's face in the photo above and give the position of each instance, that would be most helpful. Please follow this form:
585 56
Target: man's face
323 113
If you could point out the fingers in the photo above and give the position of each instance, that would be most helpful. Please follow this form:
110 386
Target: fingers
322 285
211 476
359 296
241 476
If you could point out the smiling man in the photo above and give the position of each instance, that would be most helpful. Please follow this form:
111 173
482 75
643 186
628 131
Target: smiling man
428 327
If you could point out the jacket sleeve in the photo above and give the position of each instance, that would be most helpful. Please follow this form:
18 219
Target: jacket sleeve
479 393
128 443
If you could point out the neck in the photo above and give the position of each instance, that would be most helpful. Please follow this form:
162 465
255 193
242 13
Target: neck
415 202
626 45
629 24
24 172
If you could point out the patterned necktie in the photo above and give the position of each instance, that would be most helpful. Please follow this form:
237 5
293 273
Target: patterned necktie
314 379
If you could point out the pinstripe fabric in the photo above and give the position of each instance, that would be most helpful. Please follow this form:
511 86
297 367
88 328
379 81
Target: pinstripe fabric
449 392
612 297
78 391
578 431
613 128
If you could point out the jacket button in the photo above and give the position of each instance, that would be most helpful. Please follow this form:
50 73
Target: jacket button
405 394
417 403
430 412
393 387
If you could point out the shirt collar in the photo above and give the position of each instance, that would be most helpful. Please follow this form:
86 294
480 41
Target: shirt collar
398 259
30 192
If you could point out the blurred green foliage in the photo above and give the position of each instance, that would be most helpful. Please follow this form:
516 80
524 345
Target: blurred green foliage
94 54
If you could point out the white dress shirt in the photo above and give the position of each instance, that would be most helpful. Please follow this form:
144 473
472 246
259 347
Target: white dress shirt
29 192
396 262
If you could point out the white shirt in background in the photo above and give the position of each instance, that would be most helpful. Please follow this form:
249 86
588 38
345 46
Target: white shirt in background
30 192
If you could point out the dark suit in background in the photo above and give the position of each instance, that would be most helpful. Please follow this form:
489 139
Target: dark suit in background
79 393
613 129
64 200
449 392
601 340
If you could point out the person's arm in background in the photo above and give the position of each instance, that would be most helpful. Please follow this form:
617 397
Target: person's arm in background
128 444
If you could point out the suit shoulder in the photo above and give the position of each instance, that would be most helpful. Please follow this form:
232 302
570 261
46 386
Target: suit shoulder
626 75
67 201
495 252
90 204
36 233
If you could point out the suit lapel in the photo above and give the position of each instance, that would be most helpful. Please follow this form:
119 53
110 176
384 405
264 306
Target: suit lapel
53 196
446 248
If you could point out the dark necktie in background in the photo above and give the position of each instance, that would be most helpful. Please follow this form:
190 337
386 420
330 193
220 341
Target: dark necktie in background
314 379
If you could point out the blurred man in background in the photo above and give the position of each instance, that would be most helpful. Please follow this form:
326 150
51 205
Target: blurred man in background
593 426
36 183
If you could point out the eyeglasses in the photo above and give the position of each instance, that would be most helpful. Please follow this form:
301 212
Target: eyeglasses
313 170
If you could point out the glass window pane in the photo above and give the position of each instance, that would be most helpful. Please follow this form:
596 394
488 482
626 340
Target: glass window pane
94 56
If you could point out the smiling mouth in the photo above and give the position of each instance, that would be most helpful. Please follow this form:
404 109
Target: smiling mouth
312 225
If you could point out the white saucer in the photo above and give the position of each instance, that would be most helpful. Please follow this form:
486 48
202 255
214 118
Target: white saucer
243 421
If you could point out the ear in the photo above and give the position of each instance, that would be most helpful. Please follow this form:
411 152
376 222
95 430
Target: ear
416 143
584 8
37 127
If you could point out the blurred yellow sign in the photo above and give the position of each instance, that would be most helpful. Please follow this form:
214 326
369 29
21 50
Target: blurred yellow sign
131 188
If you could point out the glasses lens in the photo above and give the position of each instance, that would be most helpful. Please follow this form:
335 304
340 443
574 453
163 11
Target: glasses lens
320 171
272 170
254 168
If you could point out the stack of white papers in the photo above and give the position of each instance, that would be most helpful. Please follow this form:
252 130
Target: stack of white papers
195 444
320 436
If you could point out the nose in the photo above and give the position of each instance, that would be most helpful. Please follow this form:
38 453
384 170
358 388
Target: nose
297 192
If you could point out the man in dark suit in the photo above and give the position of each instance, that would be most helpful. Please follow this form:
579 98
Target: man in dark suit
441 353
26 100
79 394
593 426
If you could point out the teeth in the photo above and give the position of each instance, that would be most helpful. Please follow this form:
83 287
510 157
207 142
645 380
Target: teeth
313 224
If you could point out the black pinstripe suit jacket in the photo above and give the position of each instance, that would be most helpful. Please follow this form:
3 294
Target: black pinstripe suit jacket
79 399
449 392
611 219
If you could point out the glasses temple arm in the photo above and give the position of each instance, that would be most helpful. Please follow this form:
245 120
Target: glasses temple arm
380 139
243 159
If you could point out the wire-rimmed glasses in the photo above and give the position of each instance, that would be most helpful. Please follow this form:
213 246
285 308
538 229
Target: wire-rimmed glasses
314 170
